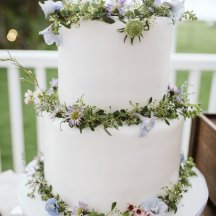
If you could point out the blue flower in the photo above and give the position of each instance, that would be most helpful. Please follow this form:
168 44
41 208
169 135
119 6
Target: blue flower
146 124
52 207
50 7
157 2
50 37
182 158
155 206
177 9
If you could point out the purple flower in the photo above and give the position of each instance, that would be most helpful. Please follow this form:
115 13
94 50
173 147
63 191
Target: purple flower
109 8
177 9
111 5
176 92
74 115
50 7
121 4
154 206
50 37
52 207
179 99
146 124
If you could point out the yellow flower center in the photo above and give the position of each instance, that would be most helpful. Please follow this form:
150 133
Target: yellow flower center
74 115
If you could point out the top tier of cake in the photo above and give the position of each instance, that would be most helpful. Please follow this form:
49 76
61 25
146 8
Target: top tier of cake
95 62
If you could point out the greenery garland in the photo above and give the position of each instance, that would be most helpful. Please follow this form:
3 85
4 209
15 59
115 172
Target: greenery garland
175 103
137 17
171 195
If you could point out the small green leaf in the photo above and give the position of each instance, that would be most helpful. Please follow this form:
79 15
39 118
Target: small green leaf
113 205
108 20
86 6
107 132
167 122
150 100
125 38
136 12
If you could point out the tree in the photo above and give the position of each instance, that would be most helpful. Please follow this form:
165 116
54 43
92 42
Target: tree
27 18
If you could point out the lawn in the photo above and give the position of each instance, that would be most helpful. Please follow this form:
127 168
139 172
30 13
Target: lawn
192 38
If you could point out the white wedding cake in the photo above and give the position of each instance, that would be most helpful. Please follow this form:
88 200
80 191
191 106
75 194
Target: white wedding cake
97 168
93 167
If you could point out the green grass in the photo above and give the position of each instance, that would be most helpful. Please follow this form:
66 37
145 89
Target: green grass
196 38
192 38
5 135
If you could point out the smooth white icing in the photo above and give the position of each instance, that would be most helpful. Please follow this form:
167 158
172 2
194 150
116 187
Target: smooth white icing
192 204
95 62
96 168
99 169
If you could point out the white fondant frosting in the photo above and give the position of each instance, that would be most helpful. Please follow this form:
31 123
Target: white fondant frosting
95 62
96 168
192 203
99 169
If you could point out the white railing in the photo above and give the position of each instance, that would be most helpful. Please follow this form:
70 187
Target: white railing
41 60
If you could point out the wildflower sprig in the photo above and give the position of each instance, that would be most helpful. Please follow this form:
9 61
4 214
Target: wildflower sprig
136 18
80 115
169 200
28 75
174 104
174 193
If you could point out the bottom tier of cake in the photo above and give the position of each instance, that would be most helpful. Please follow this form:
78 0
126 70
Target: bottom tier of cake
192 203
99 169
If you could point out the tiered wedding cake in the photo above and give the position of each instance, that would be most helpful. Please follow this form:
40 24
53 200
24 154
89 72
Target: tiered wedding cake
93 167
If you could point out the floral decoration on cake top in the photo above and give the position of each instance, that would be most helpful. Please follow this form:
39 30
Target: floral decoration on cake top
137 16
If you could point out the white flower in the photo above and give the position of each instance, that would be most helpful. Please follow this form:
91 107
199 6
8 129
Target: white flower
50 7
50 37
57 111
36 96
177 9
54 83
28 97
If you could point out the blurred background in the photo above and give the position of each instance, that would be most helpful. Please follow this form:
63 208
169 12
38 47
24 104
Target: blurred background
20 22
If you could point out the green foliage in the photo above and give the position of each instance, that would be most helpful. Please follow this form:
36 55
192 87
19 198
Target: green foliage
144 15
173 194
113 205
189 15
173 105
